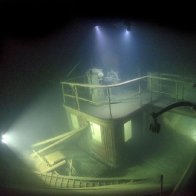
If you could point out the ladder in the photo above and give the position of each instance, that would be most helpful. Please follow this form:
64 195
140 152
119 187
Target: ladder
72 182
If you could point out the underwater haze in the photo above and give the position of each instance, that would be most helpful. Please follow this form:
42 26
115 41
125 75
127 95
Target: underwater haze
35 64
36 56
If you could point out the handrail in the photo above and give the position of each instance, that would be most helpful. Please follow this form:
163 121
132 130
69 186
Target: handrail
169 79
103 86
182 84
122 83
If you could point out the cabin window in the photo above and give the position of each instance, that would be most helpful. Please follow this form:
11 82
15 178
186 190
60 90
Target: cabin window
74 120
127 131
96 132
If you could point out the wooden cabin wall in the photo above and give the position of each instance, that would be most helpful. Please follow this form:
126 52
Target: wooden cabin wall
139 127
105 151
112 150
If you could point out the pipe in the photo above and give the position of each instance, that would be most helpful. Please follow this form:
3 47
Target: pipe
155 126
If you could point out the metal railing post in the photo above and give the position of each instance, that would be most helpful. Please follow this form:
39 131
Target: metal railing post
76 95
150 89
109 102
160 86
183 91
176 91
140 93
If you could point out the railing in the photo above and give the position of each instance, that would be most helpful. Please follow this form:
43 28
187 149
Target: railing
75 94
141 90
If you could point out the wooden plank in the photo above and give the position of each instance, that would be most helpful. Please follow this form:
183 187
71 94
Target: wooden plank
54 167
60 140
